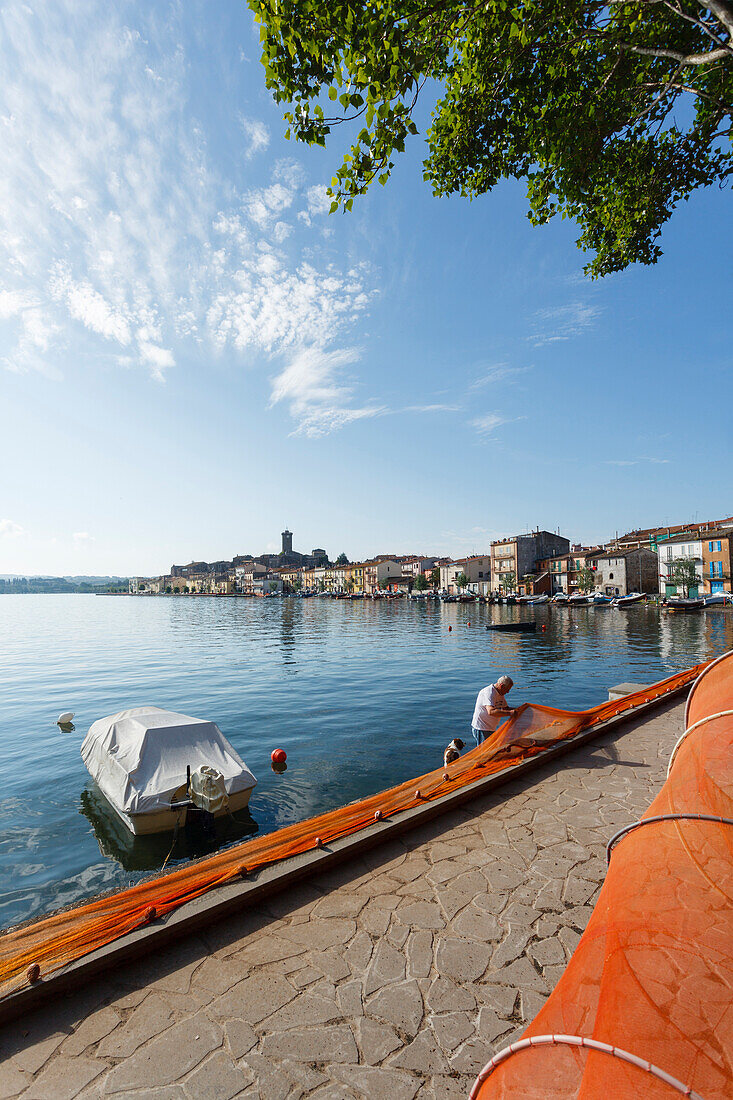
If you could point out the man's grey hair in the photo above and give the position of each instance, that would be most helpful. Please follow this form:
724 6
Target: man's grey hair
505 680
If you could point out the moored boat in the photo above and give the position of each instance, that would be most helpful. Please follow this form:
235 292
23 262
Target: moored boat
626 601
677 603
523 626
152 765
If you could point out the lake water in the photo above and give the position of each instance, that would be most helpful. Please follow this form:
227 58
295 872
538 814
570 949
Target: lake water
361 695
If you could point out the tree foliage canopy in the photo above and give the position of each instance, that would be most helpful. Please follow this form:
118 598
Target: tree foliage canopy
684 574
613 111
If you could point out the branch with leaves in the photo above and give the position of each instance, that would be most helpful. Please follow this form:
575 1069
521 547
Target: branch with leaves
578 100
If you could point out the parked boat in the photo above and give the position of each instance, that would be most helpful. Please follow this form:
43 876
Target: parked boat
718 599
676 603
626 601
599 600
579 600
152 765
525 626
537 600
560 598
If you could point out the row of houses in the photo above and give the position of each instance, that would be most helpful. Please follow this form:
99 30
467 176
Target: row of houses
534 563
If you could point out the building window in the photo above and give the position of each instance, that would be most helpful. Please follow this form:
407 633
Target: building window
719 547
710 547
720 569
610 576
712 567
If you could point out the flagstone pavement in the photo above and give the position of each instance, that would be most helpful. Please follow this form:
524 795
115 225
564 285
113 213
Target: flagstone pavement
394 977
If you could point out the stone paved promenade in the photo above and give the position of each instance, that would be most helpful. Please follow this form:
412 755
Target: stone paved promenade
394 977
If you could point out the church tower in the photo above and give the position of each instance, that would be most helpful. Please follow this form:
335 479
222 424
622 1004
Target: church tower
287 542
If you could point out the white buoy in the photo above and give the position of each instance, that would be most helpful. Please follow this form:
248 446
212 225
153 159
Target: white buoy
65 718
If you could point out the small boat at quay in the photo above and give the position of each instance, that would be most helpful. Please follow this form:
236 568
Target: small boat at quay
718 599
676 603
537 600
580 599
560 598
154 765
599 600
626 601
525 626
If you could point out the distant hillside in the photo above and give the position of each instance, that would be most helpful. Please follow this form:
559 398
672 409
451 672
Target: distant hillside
15 584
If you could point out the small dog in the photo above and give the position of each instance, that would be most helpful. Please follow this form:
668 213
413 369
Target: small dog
453 752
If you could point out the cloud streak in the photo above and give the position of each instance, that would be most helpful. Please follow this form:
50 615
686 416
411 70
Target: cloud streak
487 424
142 249
560 323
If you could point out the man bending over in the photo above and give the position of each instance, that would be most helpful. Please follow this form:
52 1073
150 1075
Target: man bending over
491 708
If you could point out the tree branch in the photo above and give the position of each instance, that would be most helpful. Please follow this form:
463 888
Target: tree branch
724 53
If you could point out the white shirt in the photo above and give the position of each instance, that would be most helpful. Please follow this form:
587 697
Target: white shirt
488 697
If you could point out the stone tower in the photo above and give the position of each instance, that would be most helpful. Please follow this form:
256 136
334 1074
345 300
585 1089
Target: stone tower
287 542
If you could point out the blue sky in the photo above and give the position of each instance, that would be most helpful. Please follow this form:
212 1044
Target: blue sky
193 354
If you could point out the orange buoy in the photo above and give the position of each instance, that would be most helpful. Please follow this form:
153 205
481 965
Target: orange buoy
469 622
449 629
278 756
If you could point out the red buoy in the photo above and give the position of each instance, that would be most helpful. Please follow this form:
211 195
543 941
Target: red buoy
449 629
278 756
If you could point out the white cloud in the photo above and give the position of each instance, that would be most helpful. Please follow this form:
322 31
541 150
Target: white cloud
563 322
636 461
318 203
10 530
314 387
432 408
500 372
82 538
486 425
85 304
116 232
257 135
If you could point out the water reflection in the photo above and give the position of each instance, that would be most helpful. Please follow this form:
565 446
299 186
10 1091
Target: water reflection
149 853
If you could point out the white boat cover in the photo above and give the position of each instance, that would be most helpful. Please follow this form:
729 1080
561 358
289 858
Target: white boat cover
139 757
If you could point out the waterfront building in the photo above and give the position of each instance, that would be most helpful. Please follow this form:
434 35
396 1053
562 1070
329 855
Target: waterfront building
522 554
619 572
681 548
477 568
716 562
355 578
247 575
651 537
564 570
413 566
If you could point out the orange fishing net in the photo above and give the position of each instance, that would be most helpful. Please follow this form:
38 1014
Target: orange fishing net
652 975
60 939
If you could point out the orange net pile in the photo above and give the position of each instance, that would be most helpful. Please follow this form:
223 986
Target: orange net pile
60 939
652 975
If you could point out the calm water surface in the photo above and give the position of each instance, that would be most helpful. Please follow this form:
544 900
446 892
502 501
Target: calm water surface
362 695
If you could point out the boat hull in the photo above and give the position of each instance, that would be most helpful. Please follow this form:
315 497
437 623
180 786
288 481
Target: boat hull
513 628
164 821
